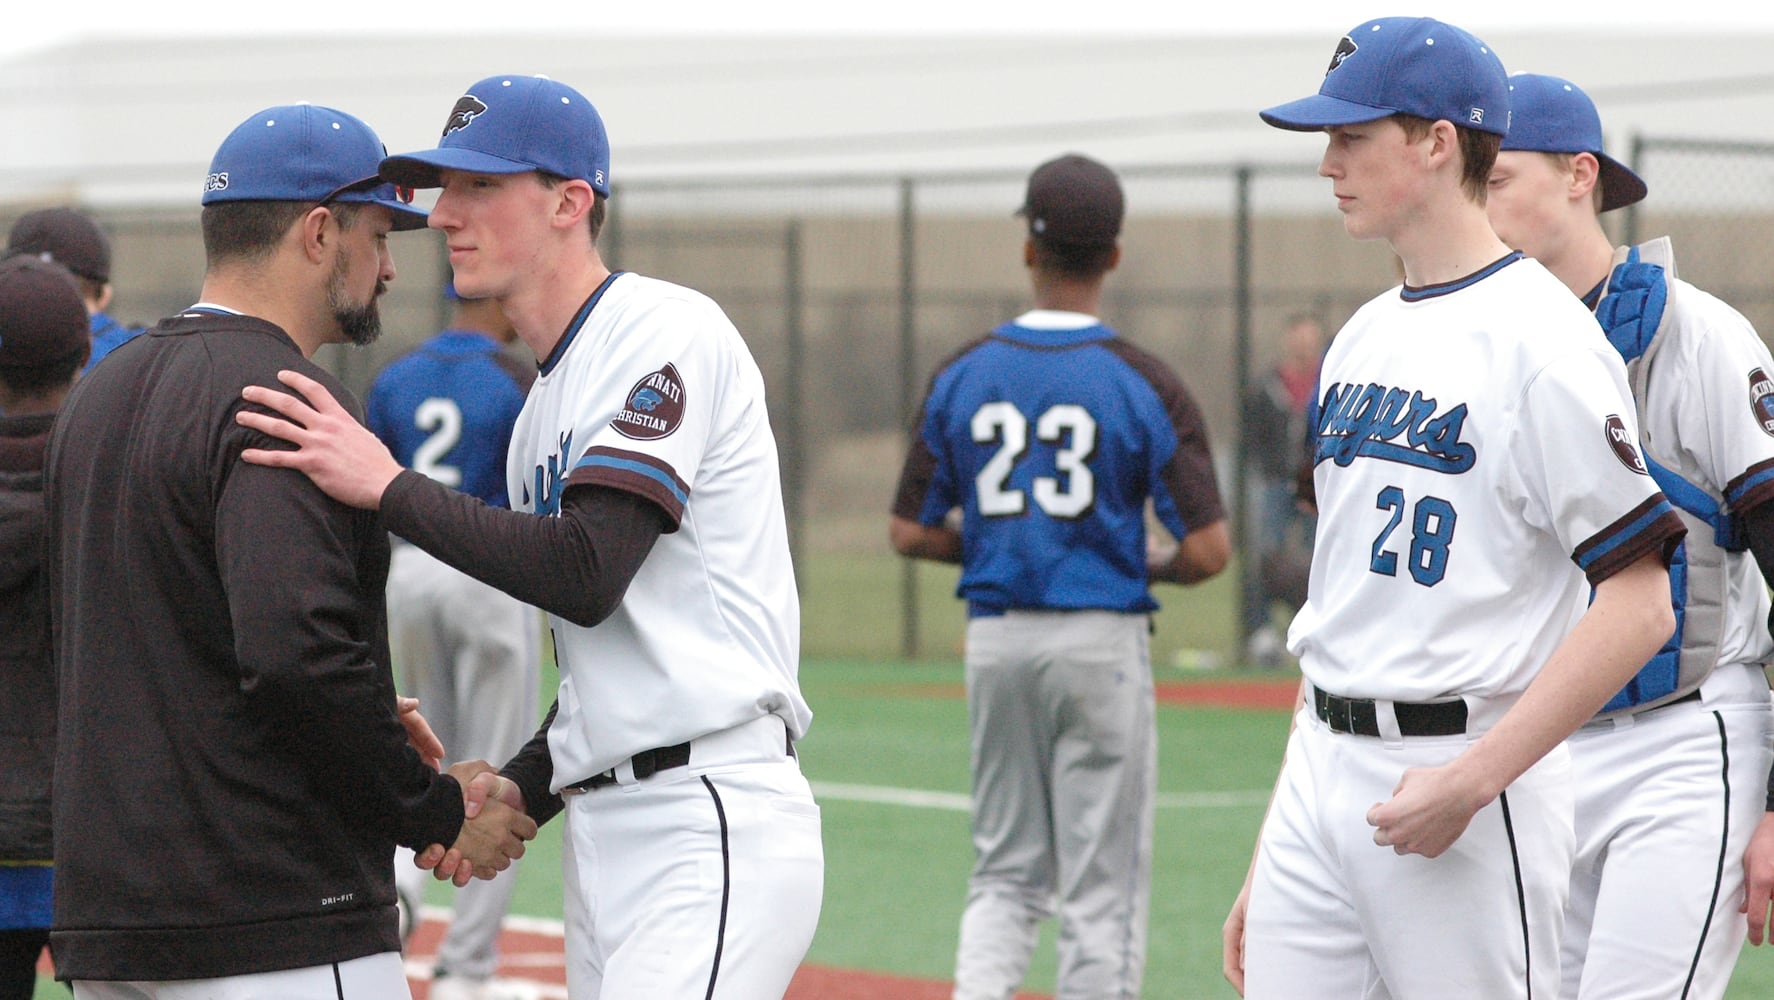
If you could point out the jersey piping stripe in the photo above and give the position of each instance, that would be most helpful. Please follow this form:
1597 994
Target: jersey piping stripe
1622 532
1410 294
605 460
1718 876
726 886
1521 898
1757 479
573 327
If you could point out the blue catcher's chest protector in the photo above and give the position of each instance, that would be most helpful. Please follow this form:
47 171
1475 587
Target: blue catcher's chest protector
1634 308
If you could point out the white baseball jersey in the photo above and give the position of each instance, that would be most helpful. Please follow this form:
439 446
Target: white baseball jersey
1708 416
1475 463
1475 460
651 390
1667 797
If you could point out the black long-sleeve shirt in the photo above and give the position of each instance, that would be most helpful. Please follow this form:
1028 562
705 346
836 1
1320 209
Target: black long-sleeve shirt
577 566
27 680
231 774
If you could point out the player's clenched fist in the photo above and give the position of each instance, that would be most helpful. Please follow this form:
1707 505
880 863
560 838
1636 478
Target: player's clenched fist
1428 810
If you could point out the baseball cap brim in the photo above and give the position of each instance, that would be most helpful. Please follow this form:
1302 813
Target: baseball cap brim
376 191
424 169
1620 186
1309 114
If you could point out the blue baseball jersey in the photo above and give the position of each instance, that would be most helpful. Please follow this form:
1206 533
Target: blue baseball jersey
447 409
1051 434
107 336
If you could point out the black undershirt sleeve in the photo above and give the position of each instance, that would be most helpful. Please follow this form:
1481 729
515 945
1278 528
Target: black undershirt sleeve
576 566
1758 526
532 770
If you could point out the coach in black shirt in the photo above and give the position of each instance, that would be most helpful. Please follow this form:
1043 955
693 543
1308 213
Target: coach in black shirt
232 774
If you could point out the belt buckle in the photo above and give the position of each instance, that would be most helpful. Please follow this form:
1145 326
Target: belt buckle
1342 714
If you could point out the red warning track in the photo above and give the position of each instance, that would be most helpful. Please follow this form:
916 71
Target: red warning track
531 962
1277 693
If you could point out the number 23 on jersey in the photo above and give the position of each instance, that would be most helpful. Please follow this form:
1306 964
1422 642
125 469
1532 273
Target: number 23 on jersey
1069 493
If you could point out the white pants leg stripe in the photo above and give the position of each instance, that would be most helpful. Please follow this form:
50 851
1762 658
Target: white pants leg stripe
714 972
1724 849
1521 897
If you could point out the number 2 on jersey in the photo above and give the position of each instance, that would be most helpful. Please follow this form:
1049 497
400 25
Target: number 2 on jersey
1432 530
443 418
1065 424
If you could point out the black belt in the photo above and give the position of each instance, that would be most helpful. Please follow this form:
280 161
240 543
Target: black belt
1358 716
646 764
650 762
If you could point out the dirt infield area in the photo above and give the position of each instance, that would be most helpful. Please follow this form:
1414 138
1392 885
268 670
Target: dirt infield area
532 967
1277 693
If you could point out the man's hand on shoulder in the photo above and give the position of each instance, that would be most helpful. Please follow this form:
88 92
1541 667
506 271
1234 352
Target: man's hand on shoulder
344 459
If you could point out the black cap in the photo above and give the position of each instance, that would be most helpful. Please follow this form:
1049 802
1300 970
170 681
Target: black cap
1074 200
42 318
66 237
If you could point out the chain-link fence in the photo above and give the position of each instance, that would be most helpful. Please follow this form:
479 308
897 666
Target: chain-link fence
851 291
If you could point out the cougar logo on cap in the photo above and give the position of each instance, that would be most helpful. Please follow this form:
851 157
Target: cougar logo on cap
1345 49
463 113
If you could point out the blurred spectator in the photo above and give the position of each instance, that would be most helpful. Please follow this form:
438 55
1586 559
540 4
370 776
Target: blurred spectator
76 242
42 345
1279 549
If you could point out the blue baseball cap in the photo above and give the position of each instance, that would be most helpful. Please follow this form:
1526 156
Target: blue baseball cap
1405 65
1551 115
513 125
306 152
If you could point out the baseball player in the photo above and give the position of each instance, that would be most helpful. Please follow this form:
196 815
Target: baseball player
75 241
1476 476
1669 774
465 649
1050 435
648 523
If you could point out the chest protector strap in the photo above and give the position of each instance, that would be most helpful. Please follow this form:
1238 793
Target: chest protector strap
1632 310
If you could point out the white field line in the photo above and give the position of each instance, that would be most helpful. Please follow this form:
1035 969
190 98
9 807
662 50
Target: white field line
958 802
420 968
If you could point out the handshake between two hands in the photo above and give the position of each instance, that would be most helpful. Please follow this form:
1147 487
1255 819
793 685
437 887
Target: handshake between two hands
494 827
494 824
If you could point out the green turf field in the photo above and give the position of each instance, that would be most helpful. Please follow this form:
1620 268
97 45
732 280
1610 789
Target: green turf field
895 872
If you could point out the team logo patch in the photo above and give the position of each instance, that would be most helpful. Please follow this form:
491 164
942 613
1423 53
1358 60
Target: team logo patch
216 182
654 408
464 113
1345 49
1625 448
1761 400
